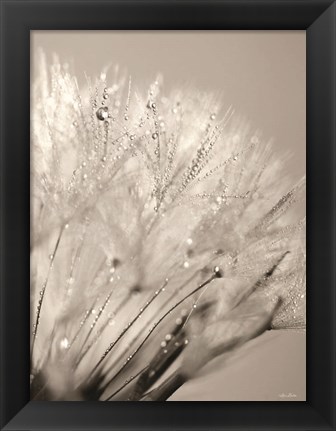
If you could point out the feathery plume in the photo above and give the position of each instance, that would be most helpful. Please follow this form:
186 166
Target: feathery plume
164 233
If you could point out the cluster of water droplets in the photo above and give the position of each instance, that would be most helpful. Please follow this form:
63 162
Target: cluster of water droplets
143 202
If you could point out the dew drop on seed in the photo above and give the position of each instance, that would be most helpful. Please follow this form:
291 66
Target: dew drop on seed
64 343
102 113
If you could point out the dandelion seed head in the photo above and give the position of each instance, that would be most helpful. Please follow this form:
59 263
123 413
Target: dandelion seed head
141 177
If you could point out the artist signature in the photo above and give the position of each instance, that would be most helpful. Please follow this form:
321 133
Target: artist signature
288 395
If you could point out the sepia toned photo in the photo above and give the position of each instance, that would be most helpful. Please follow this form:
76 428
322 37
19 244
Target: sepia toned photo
168 216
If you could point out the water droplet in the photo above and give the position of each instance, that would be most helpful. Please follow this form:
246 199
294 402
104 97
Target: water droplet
102 113
163 344
51 256
132 137
213 116
189 241
168 337
155 135
218 272
106 96
186 264
64 343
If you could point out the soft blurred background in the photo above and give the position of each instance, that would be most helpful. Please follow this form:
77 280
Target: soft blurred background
262 74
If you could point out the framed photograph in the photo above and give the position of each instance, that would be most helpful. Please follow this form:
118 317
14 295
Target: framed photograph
154 157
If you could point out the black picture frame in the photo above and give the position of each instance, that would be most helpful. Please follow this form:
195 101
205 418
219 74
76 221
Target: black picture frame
18 18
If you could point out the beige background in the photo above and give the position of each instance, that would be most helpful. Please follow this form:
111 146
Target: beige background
263 75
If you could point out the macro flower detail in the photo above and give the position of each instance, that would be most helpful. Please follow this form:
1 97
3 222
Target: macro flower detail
165 233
